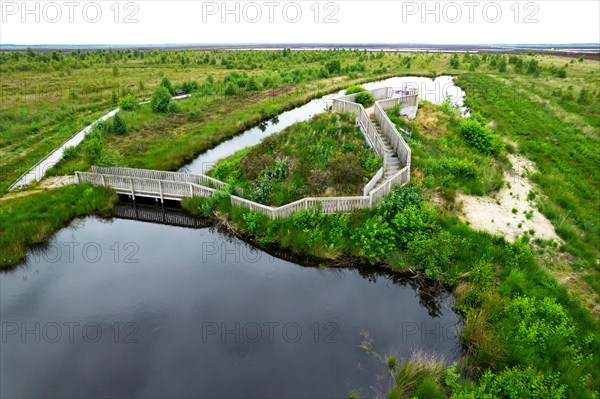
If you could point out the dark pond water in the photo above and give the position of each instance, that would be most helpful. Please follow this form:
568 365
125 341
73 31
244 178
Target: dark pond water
131 308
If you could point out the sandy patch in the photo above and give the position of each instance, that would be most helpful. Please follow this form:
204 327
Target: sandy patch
509 213
49 182
57 181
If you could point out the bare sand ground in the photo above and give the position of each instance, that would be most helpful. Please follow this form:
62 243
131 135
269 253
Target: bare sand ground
509 213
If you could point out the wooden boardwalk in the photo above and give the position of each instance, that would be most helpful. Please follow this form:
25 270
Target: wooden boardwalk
382 135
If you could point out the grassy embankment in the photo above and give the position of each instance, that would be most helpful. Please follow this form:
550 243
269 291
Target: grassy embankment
327 156
562 136
523 333
31 220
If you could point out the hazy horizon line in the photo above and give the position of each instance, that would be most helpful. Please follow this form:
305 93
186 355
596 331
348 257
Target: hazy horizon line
296 44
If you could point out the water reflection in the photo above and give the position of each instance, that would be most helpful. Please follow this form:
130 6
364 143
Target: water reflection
186 304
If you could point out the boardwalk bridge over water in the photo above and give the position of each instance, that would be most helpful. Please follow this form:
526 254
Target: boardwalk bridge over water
380 133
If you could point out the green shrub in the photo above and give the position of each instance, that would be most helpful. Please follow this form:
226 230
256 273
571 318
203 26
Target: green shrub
94 146
397 200
166 83
535 325
517 382
447 170
119 127
70 152
433 254
110 157
160 100
333 67
365 99
375 238
278 171
231 89
173 107
190 86
413 222
128 103
354 89
477 135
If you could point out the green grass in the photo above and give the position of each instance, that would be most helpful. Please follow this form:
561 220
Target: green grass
327 155
442 158
565 153
33 219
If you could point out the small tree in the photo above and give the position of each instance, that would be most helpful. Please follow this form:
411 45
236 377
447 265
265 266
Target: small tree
231 89
160 100
252 85
454 61
333 67
166 83
94 146
119 126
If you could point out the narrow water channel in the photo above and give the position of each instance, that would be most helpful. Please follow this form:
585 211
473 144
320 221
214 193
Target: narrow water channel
433 90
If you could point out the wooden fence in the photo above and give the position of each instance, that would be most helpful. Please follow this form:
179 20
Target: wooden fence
199 179
146 187
173 190
388 128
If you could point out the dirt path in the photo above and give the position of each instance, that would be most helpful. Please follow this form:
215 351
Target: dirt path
47 183
509 212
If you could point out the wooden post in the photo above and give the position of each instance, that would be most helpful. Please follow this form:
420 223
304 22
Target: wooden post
162 198
132 189
103 182
78 179
191 190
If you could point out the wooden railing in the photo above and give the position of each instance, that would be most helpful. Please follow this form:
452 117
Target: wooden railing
373 182
199 179
388 128
365 123
172 190
145 187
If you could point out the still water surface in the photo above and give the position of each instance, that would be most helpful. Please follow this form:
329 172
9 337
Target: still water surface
131 308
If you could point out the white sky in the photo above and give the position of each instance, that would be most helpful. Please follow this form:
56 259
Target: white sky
200 22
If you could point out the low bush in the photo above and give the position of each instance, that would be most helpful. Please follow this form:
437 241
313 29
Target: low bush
477 135
166 83
365 99
160 100
70 152
354 89
516 382
128 103
119 127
